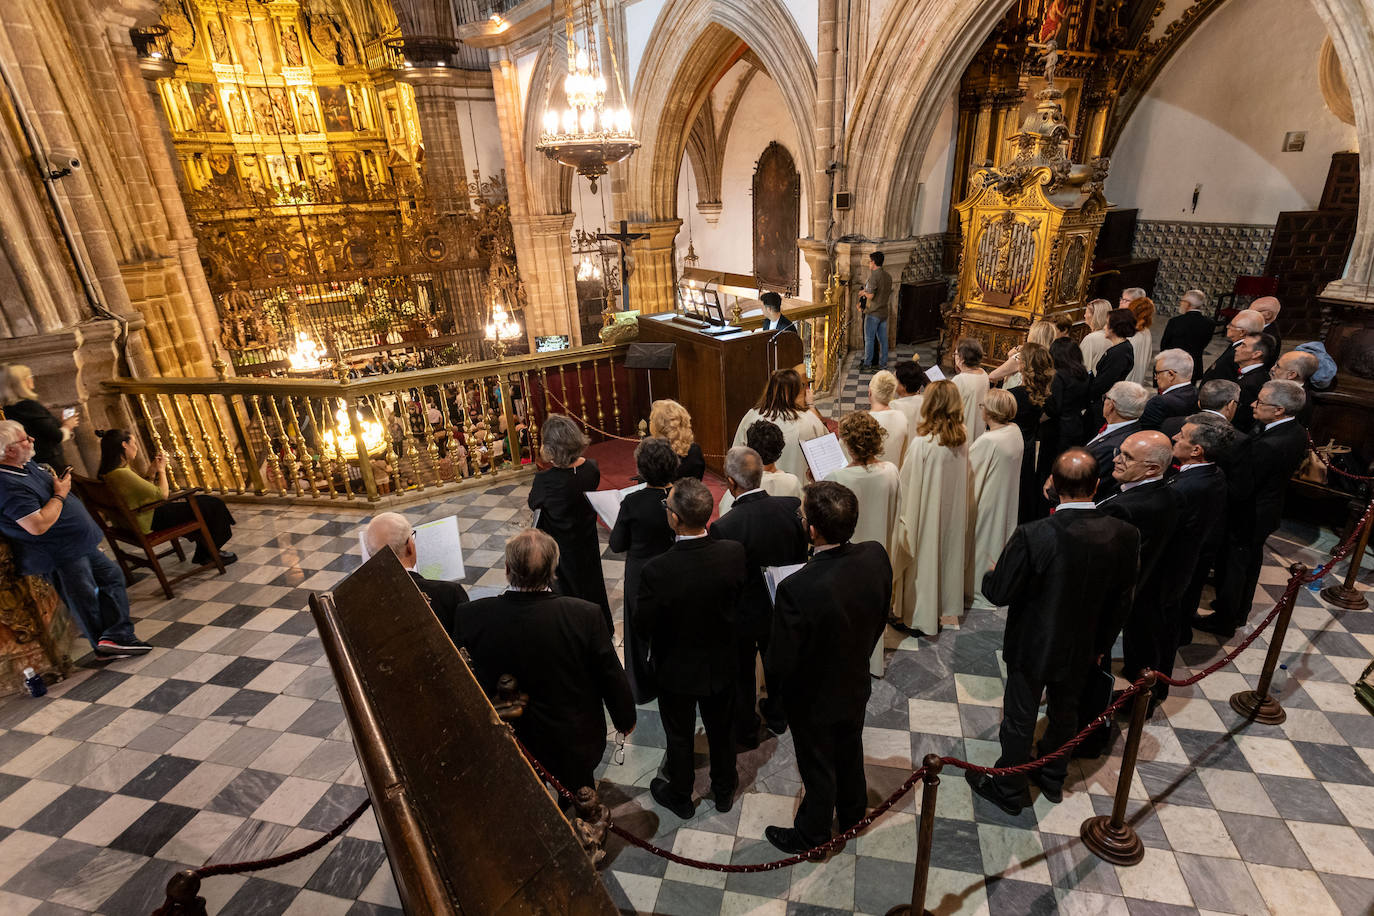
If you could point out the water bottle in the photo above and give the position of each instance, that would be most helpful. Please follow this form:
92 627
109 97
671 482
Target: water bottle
1316 584
34 681
1277 682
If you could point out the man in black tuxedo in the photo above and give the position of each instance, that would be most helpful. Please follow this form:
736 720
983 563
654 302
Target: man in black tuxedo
1297 366
1067 581
773 319
1251 374
1275 453
1177 397
1200 486
390 529
557 649
1115 364
686 609
1121 408
1216 398
1269 308
770 528
1153 509
1245 322
1190 330
830 615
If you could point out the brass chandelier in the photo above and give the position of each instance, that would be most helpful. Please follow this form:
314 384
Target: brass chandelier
587 135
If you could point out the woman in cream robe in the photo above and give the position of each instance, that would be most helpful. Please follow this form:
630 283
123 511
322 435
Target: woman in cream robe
875 482
779 406
1143 342
1094 343
882 390
995 478
931 541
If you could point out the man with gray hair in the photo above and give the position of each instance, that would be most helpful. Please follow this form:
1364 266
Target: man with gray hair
1190 330
770 528
1177 397
557 649
1121 409
390 529
55 537
1218 399
1245 322
1276 450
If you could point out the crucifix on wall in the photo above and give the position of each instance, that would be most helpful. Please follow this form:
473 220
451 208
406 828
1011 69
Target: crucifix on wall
624 238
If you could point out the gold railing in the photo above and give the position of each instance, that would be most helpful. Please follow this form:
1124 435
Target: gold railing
824 328
377 437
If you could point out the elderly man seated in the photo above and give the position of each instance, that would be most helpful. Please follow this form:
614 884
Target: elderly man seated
390 529
55 537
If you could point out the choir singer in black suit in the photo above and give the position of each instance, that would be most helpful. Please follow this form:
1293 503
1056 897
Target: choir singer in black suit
686 607
830 615
1190 330
559 652
1276 450
1067 581
1177 396
390 529
1252 372
770 528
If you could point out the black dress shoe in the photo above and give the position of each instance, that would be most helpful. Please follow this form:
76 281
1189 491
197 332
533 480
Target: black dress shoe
1052 791
683 808
225 557
788 840
984 786
1214 625
724 800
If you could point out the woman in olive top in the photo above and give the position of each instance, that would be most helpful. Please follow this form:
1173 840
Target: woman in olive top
117 449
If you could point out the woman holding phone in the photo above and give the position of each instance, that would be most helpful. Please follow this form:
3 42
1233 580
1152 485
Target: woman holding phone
20 402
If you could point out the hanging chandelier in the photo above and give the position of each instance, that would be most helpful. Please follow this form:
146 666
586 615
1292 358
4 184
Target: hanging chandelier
587 135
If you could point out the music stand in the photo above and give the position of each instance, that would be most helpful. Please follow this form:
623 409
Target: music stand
649 356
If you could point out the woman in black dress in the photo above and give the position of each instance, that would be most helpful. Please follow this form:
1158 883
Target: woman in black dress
20 403
1037 380
1063 425
1115 364
670 420
560 495
642 532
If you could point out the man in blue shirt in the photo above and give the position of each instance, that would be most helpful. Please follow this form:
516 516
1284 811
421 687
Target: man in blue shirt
55 537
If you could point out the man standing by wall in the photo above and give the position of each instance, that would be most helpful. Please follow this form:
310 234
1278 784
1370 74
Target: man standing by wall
875 302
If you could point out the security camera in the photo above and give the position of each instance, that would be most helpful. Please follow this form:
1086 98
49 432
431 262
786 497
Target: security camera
62 163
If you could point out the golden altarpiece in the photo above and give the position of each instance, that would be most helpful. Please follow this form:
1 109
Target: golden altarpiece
1028 232
302 168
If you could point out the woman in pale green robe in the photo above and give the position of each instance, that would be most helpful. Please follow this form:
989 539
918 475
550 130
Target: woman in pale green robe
995 474
875 483
931 542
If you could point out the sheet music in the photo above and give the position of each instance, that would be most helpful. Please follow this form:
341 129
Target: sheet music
933 374
775 574
438 550
607 503
823 455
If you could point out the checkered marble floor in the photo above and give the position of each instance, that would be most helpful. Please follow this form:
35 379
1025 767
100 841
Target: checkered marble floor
227 742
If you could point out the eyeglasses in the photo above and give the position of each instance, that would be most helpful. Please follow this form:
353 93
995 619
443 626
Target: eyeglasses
664 503
1118 452
1261 403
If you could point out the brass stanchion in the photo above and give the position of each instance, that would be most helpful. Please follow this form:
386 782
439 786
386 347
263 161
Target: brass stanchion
917 907
1257 704
1111 838
1346 595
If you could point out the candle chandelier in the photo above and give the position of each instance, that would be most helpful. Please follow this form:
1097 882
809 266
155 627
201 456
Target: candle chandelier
588 135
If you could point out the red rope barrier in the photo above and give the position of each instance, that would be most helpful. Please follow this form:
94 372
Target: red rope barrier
234 868
1326 460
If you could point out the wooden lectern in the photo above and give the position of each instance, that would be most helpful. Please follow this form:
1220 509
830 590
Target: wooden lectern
716 377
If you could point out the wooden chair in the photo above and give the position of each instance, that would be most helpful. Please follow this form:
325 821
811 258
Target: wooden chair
1250 287
120 525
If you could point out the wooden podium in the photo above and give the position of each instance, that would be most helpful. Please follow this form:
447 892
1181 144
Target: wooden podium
716 377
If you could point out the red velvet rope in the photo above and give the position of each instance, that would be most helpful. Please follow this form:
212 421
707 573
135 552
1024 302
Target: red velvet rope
234 868
1324 459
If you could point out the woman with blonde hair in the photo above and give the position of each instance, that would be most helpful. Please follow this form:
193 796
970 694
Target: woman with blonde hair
1094 343
1143 343
778 405
930 543
882 391
670 420
995 475
1041 333
874 480
20 403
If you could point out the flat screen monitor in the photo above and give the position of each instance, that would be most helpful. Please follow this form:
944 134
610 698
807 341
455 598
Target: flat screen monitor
551 343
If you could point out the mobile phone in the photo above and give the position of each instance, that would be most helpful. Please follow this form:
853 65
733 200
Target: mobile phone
68 413
66 469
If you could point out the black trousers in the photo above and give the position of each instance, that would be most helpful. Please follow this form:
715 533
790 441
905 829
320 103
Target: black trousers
1020 711
217 517
830 757
678 712
749 646
1238 573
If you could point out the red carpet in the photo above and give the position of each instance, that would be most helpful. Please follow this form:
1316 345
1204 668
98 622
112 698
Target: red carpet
617 462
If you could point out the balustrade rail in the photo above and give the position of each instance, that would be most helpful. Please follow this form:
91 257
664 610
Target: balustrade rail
378 437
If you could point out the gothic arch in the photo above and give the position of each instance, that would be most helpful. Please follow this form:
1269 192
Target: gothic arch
692 44
550 185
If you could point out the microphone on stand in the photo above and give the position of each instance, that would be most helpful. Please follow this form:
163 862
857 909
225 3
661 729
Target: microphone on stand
773 345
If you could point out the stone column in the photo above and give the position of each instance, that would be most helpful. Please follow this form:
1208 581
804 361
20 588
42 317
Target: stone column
441 99
543 244
655 273
851 259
